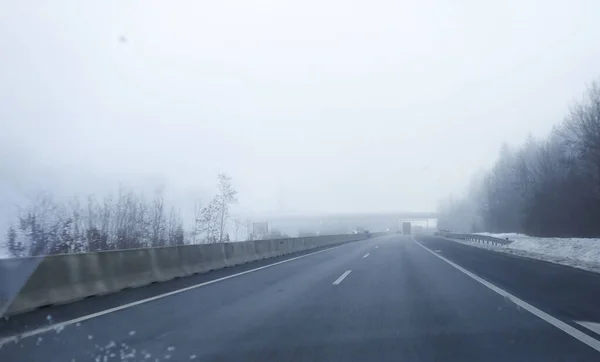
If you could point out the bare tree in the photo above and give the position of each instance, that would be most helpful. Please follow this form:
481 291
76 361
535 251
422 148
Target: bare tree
39 225
583 132
175 228
105 213
157 221
225 197
239 224
209 220
15 246
130 229
92 234
74 233
197 228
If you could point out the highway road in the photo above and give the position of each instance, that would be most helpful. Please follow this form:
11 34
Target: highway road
389 298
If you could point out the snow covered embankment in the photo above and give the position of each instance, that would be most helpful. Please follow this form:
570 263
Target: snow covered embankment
580 253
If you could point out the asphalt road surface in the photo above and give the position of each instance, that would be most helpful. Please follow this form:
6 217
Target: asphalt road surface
388 298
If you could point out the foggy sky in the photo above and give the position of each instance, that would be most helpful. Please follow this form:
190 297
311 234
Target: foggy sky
311 106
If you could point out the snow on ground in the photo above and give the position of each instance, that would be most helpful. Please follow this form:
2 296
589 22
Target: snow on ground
580 253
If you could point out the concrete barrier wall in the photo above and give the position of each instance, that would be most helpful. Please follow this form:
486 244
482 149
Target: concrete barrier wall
29 283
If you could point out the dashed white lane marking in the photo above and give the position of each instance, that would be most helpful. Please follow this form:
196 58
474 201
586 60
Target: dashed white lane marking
61 325
339 280
573 332
438 251
376 246
367 254
594 327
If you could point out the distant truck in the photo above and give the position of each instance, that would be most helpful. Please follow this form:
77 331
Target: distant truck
406 226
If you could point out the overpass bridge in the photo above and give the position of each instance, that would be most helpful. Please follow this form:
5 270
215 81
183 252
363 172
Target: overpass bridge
346 222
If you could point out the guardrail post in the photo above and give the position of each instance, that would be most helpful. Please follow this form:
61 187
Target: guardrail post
483 239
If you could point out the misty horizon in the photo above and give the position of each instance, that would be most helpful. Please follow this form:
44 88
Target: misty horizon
391 109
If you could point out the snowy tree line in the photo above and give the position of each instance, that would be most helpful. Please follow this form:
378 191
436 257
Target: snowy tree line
548 187
129 220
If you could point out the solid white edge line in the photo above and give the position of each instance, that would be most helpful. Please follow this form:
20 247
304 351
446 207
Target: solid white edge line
592 326
572 331
339 280
61 325
367 254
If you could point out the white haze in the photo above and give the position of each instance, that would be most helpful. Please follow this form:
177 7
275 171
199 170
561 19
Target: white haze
310 106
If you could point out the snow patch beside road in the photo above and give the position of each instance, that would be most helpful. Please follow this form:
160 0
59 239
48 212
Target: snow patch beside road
576 248
583 253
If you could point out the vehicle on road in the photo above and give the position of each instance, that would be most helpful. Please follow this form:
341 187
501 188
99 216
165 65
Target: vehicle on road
406 228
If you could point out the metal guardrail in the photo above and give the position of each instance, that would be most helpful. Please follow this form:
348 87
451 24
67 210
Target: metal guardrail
483 239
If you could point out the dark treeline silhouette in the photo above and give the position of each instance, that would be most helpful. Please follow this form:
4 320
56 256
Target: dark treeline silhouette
548 187
126 221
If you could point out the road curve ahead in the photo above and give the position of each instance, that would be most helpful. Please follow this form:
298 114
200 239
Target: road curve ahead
384 299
